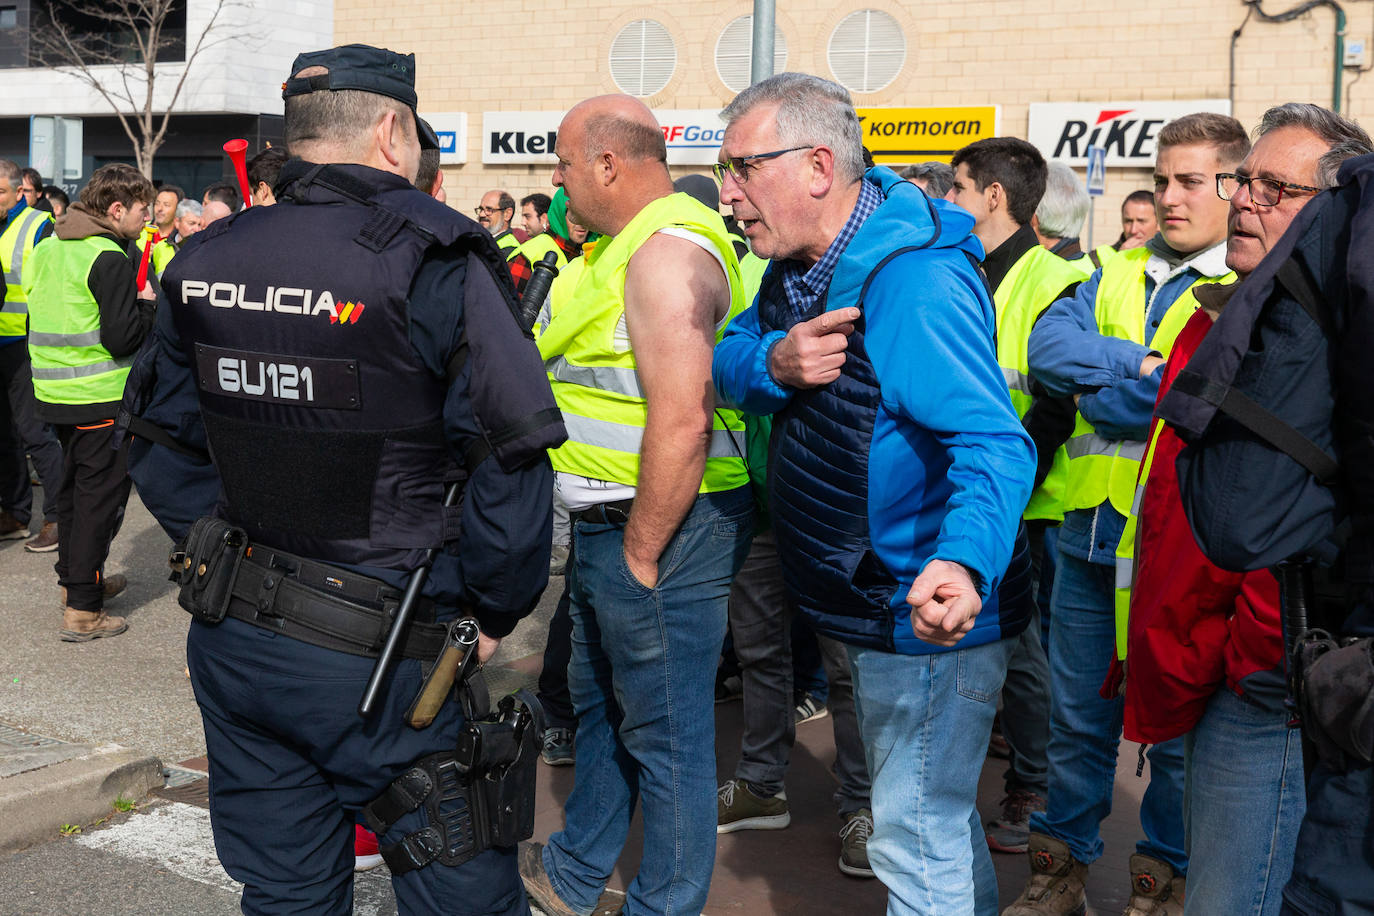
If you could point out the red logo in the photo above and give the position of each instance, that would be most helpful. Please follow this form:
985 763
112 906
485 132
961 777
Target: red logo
1108 114
348 313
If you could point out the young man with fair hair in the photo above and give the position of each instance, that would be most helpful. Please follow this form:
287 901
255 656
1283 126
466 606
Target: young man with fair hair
83 278
654 479
1206 648
1105 346
900 556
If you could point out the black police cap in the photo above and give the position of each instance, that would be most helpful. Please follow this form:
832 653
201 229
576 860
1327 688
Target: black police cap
366 69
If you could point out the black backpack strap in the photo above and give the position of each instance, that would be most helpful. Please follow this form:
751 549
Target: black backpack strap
1263 423
157 435
1294 278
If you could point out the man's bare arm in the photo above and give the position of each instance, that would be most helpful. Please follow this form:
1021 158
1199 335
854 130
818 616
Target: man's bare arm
675 292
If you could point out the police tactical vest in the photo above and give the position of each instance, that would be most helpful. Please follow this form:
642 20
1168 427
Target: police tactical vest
1102 469
593 370
1031 286
15 244
70 366
325 426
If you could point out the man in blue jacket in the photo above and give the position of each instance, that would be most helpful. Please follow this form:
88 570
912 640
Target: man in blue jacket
899 469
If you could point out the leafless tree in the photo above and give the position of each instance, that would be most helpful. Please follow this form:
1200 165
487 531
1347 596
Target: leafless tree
121 64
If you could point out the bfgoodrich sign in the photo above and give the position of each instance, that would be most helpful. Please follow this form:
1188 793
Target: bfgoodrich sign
1065 130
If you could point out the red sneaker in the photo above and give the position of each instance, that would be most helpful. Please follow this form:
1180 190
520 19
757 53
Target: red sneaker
365 852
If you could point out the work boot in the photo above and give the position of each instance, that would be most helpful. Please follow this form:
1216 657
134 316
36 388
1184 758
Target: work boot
1156 889
109 588
536 880
83 626
45 541
1056 883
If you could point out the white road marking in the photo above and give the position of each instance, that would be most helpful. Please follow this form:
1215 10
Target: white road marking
175 836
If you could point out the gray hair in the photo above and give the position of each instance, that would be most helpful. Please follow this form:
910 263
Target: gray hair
188 207
1344 138
938 176
1064 205
11 172
811 112
338 122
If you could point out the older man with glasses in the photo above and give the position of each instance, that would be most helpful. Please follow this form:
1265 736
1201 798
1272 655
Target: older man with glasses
1205 645
898 469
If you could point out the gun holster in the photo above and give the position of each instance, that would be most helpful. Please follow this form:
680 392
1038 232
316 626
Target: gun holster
479 795
205 567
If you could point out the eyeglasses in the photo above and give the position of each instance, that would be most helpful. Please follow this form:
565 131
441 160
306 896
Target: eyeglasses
1265 192
737 167
489 211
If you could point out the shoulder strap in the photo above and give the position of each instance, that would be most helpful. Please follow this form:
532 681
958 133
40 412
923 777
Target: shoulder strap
1095 258
1263 423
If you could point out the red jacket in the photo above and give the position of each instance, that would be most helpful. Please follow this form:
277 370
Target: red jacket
1192 625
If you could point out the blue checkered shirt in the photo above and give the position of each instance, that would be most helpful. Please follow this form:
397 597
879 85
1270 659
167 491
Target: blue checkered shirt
804 286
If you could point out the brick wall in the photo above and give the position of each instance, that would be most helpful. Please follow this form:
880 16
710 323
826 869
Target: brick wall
549 54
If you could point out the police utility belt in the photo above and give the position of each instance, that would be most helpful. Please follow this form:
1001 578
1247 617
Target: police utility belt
222 575
477 796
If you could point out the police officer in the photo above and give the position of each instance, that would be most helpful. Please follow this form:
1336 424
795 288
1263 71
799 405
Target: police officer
353 349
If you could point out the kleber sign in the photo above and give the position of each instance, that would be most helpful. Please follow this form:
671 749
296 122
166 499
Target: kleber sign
911 135
693 137
1127 130
452 130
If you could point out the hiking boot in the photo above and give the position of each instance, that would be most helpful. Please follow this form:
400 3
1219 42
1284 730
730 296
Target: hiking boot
83 626
1011 831
109 588
11 528
809 708
610 903
536 880
858 827
1056 883
1156 889
738 808
557 748
45 541
366 854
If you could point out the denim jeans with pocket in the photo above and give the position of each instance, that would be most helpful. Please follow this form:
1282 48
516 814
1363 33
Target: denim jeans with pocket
642 680
925 721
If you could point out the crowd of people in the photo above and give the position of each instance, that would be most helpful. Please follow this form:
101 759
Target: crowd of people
874 445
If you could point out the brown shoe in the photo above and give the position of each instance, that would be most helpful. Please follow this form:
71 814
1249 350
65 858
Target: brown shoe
83 626
11 528
1156 889
45 541
112 586
537 884
1056 883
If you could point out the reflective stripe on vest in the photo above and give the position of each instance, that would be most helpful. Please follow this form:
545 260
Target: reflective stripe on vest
596 383
1126 547
1105 470
16 242
70 366
1029 288
535 248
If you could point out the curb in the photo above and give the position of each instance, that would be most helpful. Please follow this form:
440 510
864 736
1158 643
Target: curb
76 788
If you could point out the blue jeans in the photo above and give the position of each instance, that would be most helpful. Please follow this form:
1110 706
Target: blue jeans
1245 800
292 762
925 721
1085 729
642 680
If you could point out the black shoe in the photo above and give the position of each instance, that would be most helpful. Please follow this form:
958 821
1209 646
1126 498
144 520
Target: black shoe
558 750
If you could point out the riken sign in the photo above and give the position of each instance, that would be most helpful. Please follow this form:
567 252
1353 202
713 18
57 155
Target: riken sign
692 136
1128 130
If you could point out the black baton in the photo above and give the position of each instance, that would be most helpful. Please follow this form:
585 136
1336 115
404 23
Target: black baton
402 619
537 289
1295 588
